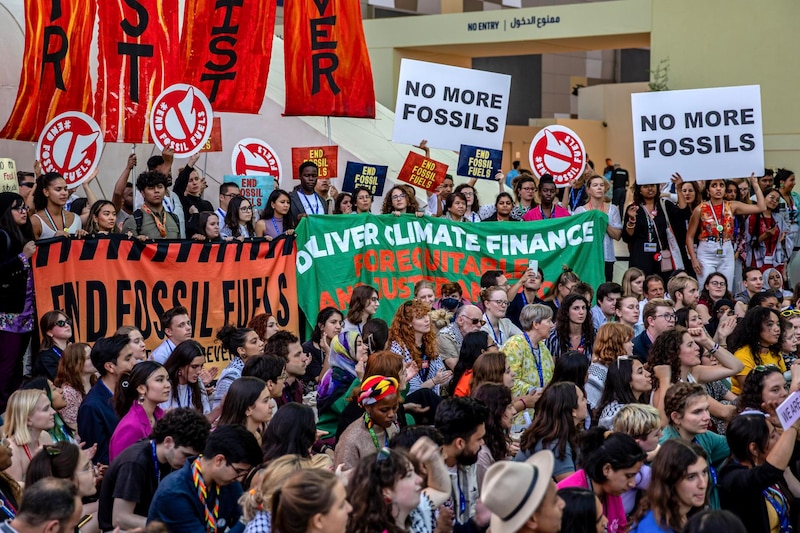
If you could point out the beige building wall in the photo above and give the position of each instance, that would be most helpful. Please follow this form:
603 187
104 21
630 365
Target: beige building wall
715 43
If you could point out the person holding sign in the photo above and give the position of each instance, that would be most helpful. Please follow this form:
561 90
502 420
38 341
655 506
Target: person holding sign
712 222
751 483
277 217
767 244
52 219
548 208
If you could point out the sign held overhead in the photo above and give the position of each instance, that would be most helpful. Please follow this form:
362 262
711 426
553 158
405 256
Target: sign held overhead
700 133
450 106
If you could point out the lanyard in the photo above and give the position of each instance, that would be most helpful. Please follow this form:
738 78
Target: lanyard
472 217
155 461
651 225
53 222
6 506
368 422
168 203
719 227
778 502
462 500
315 208
275 225
552 211
202 494
498 341
188 396
537 354
573 200
59 351
220 214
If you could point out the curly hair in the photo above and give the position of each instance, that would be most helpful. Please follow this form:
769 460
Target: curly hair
259 324
610 342
70 368
402 332
748 333
411 202
666 350
562 323
496 397
553 420
669 467
371 512
679 395
752 395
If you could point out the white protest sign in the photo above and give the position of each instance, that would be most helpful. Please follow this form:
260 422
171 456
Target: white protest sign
789 410
450 106
701 134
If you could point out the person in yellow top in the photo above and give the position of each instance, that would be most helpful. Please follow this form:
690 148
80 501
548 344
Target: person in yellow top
529 358
756 342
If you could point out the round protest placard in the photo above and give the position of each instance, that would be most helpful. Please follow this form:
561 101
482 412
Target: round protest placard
254 157
70 144
181 119
557 151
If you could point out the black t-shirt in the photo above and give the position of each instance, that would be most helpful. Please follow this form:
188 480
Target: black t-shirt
130 477
619 178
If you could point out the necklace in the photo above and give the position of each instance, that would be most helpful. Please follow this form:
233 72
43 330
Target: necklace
369 423
53 222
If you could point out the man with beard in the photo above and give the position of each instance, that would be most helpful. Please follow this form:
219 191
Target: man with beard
462 423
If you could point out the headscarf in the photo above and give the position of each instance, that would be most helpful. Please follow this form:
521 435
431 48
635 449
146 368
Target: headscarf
376 388
342 360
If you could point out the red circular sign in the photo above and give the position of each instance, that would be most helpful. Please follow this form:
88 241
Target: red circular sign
181 119
70 144
557 151
254 157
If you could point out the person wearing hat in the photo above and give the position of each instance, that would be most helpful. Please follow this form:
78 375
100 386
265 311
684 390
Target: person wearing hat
522 496
17 312
380 398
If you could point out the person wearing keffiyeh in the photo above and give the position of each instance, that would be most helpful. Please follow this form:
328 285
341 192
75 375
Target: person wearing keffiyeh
347 358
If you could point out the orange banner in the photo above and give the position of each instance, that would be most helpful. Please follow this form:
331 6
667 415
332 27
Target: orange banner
138 57
226 48
325 157
105 283
327 66
55 66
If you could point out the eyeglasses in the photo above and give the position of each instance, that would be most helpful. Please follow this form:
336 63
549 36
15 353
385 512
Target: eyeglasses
27 184
374 299
468 194
476 321
527 188
62 323
245 208
398 196
503 303
22 209
790 312
669 317
228 194
716 283
240 472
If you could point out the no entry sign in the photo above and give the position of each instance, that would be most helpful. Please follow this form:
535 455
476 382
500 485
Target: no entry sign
181 119
557 151
254 157
70 144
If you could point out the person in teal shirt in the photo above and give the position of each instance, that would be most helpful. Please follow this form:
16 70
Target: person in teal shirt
686 407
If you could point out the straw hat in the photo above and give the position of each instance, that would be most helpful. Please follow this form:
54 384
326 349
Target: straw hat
513 491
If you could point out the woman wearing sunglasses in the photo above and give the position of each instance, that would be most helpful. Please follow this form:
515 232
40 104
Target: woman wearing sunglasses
56 331
17 313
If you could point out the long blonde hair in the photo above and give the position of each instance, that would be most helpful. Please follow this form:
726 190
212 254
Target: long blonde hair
260 498
20 407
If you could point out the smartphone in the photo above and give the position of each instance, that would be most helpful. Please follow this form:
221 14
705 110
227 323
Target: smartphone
533 264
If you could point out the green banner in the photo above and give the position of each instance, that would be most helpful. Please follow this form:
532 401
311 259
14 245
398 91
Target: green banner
337 252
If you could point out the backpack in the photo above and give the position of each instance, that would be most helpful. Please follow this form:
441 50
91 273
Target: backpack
138 217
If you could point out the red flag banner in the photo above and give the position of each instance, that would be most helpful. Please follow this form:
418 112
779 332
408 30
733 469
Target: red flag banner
138 57
226 49
328 71
55 66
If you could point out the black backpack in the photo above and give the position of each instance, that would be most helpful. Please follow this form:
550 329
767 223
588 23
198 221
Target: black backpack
138 216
